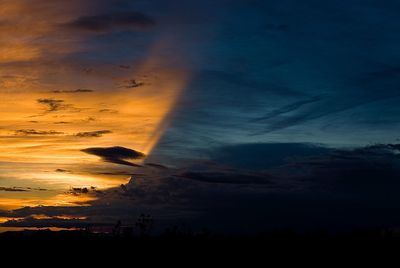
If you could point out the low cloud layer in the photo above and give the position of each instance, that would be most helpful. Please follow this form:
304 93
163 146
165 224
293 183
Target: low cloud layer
49 222
326 188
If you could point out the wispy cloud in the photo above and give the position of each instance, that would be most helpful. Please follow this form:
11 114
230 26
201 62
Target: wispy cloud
73 91
12 189
92 134
112 22
132 83
62 170
27 132
53 105
286 109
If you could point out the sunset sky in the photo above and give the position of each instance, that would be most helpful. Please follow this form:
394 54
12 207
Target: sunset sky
261 113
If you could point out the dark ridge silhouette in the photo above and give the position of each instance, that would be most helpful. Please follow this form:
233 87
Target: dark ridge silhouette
285 242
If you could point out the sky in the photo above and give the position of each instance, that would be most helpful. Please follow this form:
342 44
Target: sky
232 115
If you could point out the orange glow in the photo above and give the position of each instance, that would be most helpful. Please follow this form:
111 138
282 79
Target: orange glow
51 110
18 52
35 142
5 219
57 200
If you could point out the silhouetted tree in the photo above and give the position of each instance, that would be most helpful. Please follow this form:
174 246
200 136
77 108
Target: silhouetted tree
117 228
145 224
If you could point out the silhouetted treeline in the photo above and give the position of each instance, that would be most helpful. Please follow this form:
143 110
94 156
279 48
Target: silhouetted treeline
175 234
284 246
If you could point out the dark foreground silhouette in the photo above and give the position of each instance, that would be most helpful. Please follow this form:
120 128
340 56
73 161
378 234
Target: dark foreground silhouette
180 242
278 239
283 247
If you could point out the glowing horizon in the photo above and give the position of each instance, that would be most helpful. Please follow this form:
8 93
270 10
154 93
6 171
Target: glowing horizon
48 119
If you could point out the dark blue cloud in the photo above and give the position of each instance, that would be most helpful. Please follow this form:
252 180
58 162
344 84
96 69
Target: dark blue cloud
264 155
